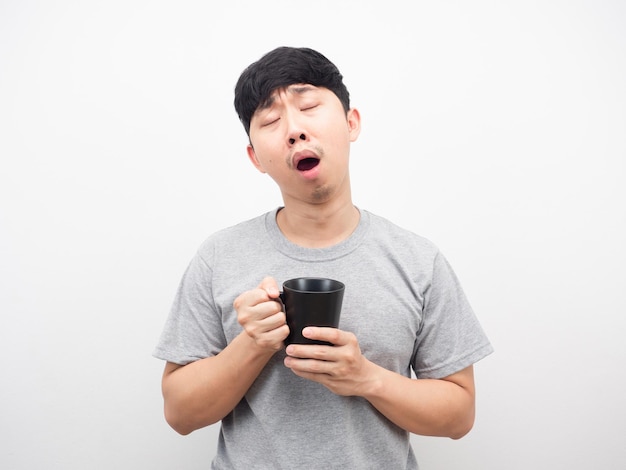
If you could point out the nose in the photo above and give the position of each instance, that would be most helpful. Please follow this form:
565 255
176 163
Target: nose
295 128
293 140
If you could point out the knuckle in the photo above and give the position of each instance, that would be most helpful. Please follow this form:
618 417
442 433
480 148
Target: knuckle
281 319
351 337
244 316
315 366
268 343
267 283
334 335
321 352
249 329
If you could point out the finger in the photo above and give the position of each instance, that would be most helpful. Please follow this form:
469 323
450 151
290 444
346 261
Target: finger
274 338
271 322
268 330
331 335
261 312
307 366
251 298
312 351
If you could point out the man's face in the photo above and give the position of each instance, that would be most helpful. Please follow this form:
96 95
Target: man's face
301 138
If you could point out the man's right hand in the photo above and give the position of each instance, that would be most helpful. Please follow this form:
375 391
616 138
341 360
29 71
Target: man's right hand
260 313
204 391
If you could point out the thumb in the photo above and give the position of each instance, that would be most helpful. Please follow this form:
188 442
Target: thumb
270 286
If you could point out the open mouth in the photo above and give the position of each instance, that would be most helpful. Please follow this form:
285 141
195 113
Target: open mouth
307 164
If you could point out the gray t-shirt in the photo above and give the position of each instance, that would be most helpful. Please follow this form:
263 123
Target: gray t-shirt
402 301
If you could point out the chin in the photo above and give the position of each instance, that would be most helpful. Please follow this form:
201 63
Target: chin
321 194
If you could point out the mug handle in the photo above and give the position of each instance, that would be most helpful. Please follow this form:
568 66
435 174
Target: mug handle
280 298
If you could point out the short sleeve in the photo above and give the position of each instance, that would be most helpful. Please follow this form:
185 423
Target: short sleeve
450 337
193 329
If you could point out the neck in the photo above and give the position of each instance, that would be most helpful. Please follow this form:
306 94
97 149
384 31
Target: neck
318 226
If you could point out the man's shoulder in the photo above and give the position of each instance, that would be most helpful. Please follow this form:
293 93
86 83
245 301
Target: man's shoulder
235 237
396 234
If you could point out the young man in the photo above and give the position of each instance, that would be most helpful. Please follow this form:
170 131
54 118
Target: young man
351 405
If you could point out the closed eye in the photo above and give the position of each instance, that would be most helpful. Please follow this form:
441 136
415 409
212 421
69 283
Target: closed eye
269 123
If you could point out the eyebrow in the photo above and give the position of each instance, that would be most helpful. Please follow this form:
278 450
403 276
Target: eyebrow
300 89
297 89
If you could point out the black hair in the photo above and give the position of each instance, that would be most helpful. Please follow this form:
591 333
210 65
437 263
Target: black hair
280 68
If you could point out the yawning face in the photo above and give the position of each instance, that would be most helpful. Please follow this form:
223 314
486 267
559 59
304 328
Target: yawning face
301 137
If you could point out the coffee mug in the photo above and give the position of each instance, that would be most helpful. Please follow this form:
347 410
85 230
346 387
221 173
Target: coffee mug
311 301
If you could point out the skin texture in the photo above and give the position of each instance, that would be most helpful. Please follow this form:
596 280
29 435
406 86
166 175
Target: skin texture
306 122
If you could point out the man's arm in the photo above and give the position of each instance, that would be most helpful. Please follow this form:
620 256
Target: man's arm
203 392
430 407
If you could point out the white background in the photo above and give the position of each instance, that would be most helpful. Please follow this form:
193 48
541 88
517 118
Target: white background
496 129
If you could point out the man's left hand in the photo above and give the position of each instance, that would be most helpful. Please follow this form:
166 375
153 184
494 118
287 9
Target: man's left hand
341 367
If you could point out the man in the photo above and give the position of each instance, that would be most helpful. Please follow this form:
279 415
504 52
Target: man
350 405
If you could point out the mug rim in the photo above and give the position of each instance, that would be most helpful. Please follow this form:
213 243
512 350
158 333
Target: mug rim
336 285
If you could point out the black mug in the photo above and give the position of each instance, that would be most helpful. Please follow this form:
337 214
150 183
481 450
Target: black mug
311 301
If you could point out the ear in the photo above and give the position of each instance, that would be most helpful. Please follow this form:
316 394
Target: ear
253 158
354 123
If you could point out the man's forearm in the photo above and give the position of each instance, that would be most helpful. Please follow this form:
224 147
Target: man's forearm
203 392
428 407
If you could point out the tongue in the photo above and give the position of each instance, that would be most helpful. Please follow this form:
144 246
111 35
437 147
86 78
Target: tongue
307 164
